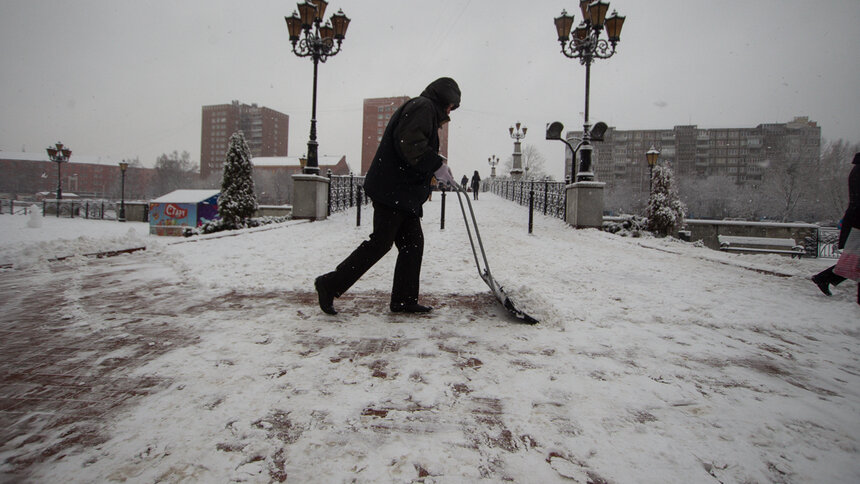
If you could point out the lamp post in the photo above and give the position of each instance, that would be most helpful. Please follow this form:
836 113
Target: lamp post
651 155
59 155
587 45
123 165
309 39
517 134
493 161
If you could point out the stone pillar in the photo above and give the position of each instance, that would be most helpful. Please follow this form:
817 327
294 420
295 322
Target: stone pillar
517 162
310 196
585 204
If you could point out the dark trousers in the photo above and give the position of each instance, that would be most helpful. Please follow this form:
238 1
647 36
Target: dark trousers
390 227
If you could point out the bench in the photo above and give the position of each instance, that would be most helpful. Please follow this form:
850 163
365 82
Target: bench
768 245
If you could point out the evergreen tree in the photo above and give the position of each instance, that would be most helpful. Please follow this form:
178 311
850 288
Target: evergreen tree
237 202
665 209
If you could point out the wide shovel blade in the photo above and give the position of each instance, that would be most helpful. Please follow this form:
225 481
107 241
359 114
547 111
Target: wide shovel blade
485 274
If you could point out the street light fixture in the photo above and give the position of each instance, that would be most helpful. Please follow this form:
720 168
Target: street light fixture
59 154
123 165
517 134
493 161
319 42
651 155
587 45
554 131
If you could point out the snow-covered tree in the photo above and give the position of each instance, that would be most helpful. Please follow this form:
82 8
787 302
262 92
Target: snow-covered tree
665 209
237 202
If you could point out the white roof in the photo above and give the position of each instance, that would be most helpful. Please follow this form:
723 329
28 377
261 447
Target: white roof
291 160
186 196
43 156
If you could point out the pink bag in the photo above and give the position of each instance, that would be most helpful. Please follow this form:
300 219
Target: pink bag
849 262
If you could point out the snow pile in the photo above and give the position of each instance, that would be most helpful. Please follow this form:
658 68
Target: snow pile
22 244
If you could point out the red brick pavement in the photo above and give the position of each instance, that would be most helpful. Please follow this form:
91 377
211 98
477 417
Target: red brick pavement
70 336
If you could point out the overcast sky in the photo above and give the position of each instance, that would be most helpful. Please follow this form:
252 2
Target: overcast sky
128 78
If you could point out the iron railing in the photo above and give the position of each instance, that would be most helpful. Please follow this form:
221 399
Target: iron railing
89 209
827 243
549 197
345 191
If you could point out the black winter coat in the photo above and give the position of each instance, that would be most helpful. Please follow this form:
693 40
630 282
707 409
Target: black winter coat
408 155
851 219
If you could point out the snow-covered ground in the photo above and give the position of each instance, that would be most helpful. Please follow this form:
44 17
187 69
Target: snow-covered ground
655 360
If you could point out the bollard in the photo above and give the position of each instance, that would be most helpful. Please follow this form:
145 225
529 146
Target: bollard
442 227
328 210
531 205
358 206
545 195
87 209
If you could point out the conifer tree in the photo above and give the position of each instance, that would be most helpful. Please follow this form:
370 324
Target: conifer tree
237 202
665 209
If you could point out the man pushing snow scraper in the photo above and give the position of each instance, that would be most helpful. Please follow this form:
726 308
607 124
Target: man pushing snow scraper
398 183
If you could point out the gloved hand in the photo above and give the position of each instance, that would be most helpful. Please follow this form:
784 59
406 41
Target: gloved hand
444 176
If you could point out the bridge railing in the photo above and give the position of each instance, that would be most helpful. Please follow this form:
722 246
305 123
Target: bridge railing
344 192
548 197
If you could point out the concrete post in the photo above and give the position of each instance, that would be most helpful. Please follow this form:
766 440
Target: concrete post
585 204
310 196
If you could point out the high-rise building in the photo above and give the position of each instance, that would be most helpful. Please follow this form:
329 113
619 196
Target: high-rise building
742 154
266 131
377 113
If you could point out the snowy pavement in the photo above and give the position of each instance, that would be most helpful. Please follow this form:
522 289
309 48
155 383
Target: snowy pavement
209 361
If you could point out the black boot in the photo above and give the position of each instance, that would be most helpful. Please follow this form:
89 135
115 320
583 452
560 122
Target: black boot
326 297
822 284
410 308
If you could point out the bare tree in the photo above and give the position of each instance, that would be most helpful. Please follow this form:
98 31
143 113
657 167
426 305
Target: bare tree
832 175
786 185
174 171
533 163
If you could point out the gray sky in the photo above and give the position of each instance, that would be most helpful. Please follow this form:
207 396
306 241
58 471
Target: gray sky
128 78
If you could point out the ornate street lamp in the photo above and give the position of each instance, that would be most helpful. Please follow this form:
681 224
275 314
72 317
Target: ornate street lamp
517 135
319 42
123 165
493 161
587 45
59 154
651 155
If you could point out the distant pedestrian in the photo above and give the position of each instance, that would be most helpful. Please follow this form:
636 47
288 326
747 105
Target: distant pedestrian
464 182
849 240
476 184
398 183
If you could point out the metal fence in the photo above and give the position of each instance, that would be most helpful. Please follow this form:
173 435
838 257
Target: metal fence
89 209
549 198
345 191
827 243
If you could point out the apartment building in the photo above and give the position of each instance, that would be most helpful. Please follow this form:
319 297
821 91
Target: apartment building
743 154
266 132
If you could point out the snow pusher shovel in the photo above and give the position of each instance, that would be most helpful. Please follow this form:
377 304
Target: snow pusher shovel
485 274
